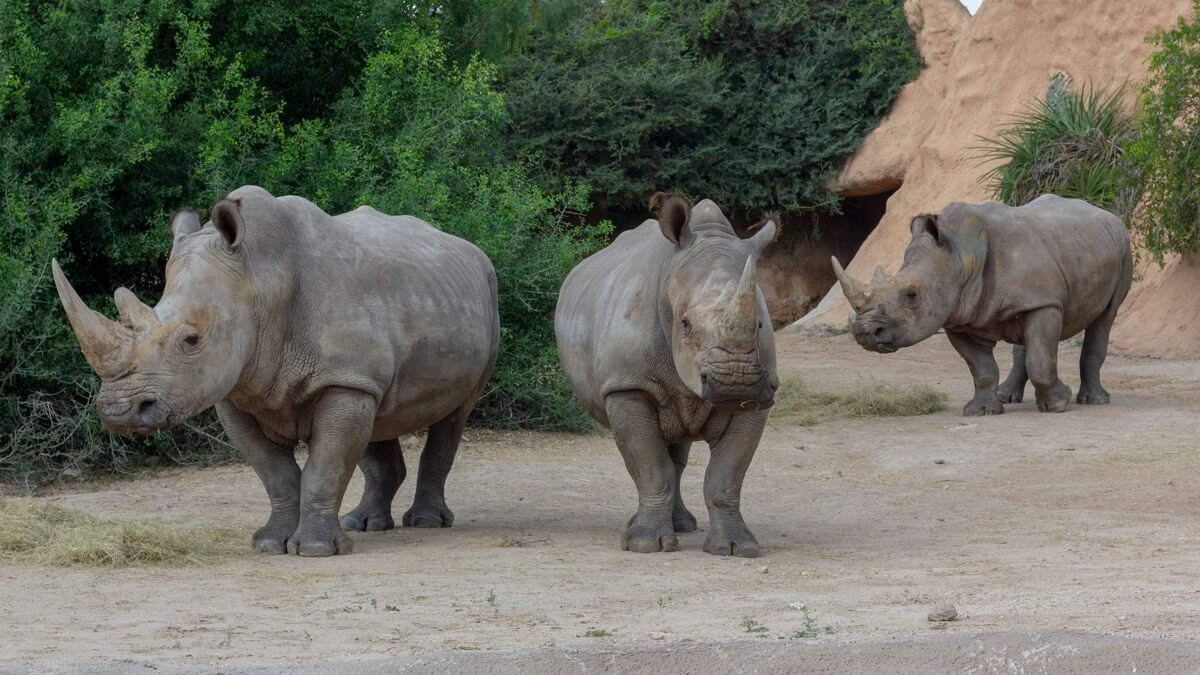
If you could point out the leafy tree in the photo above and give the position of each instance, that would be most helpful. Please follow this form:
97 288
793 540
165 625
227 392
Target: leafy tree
755 104
1165 154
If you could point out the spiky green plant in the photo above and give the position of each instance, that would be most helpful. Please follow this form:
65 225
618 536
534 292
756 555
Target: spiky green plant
1071 144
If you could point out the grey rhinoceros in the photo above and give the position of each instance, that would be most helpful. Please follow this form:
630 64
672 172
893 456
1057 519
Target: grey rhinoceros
665 339
1030 275
342 332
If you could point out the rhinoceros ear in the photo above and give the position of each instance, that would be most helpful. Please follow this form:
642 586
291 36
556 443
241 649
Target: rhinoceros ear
968 238
227 218
764 232
926 223
184 222
673 212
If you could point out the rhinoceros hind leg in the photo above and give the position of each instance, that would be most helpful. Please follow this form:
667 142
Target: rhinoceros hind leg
383 468
681 517
1012 389
1043 329
441 445
633 419
1091 358
984 372
731 456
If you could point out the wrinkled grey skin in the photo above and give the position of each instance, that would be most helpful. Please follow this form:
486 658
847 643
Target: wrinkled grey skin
340 332
665 339
1030 275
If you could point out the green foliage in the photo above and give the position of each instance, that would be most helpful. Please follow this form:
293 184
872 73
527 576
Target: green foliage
115 113
1072 144
753 104
1165 154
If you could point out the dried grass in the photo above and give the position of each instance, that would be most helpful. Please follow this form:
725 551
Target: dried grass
799 403
37 532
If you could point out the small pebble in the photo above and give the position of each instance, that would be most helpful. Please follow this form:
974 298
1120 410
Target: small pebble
764 570
939 461
943 613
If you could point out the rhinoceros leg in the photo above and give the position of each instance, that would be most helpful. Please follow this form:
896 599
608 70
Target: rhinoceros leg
1012 390
633 418
341 428
681 518
731 455
275 464
1043 328
984 372
441 445
383 469
1095 348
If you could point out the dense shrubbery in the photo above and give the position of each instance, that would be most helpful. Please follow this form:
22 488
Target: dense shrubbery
1166 154
113 113
753 104
1072 144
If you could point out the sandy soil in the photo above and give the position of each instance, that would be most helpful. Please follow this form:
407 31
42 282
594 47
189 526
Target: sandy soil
1086 520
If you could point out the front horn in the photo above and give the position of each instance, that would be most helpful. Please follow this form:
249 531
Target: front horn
851 287
106 344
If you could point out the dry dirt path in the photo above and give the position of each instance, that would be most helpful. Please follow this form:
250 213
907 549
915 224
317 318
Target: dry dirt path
1088 520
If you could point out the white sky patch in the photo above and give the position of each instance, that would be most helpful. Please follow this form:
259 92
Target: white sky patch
972 5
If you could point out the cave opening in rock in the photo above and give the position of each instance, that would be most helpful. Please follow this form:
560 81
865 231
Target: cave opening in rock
795 273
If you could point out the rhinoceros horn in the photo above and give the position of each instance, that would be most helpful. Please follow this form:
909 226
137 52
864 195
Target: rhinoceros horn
851 287
106 344
880 277
134 313
743 306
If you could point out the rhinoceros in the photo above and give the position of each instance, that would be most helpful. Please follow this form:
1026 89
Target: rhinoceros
987 272
664 338
342 332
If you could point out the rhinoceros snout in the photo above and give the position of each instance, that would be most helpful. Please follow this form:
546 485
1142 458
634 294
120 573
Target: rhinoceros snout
760 391
144 415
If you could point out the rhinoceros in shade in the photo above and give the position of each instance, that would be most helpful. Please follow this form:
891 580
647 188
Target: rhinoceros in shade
665 339
342 332
1031 275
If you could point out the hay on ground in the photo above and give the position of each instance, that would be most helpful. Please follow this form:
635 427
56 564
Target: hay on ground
37 532
797 402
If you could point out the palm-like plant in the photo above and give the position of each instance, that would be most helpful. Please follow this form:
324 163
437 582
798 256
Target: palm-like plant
1071 144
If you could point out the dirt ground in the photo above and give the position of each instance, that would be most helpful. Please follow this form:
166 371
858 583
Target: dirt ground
1087 520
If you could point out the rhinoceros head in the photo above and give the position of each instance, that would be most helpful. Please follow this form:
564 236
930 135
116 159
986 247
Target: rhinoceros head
900 310
159 366
716 310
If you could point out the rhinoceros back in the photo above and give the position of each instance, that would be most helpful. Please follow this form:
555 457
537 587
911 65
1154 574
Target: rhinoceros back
607 321
398 308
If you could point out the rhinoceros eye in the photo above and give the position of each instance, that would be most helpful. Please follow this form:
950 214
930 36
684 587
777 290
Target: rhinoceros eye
192 340
687 325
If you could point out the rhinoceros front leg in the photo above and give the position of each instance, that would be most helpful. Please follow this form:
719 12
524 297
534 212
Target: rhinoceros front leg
1012 389
633 418
1043 328
731 455
275 464
341 427
681 517
1095 349
383 469
984 372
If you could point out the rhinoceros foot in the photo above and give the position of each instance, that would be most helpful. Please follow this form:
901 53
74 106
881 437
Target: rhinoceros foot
319 537
735 541
1010 395
364 519
1056 399
428 514
640 538
683 520
979 408
1092 396
273 537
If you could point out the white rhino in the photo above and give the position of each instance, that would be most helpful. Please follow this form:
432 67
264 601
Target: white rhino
665 339
1030 275
342 332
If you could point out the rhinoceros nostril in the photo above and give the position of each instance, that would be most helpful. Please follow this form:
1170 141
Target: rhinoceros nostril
703 378
147 410
882 336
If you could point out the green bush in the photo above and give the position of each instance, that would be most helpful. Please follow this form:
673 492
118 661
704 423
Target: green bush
1072 144
115 113
753 104
1166 154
